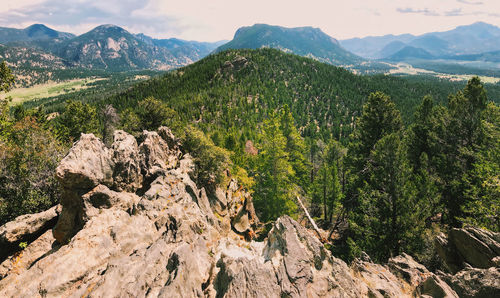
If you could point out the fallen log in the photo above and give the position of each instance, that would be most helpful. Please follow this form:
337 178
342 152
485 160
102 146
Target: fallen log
315 227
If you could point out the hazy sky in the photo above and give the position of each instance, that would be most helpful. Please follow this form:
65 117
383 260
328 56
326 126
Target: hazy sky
211 20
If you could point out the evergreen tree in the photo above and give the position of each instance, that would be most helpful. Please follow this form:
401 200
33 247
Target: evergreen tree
6 78
295 146
462 138
423 145
153 113
274 188
420 133
389 218
211 161
378 119
77 118
483 206
6 83
327 190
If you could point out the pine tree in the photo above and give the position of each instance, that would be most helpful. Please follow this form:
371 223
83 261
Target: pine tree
327 190
420 133
273 195
6 83
423 145
462 138
77 118
6 78
483 206
295 146
389 218
378 119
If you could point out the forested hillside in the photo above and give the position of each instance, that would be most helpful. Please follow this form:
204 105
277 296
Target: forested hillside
383 162
238 89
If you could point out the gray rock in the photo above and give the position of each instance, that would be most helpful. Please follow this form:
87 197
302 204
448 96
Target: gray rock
451 260
172 141
127 171
244 277
407 268
28 225
435 287
156 156
477 282
474 251
173 238
414 273
470 245
87 164
24 259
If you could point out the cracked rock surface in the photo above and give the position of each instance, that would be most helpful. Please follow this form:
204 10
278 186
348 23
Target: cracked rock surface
134 224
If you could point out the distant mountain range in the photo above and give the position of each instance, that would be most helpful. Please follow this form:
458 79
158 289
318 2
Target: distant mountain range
464 41
303 41
37 48
32 33
105 47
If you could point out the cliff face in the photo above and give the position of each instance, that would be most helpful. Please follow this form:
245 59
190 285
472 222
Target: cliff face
132 223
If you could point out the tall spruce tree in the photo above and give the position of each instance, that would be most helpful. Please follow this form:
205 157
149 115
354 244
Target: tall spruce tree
483 207
295 146
389 214
463 136
378 119
327 190
274 188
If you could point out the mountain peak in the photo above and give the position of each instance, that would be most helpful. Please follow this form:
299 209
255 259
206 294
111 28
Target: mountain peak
40 30
109 28
304 41
37 27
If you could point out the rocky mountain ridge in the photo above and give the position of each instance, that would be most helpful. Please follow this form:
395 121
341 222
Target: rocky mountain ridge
132 222
465 40
303 41
31 33
106 47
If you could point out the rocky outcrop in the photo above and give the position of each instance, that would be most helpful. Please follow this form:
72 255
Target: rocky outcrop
127 174
414 273
475 282
134 224
468 247
25 228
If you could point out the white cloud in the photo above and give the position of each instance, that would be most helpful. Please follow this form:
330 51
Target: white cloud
211 20
216 19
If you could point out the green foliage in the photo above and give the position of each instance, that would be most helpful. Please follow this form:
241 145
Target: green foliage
6 78
149 114
389 181
130 121
483 207
378 119
29 154
23 245
153 114
390 215
323 99
210 161
423 145
76 119
28 158
274 188
326 189
295 146
460 135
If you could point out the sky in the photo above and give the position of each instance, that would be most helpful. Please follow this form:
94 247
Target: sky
213 20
